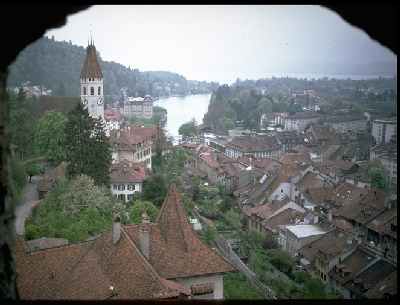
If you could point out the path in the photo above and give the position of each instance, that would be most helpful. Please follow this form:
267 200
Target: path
24 208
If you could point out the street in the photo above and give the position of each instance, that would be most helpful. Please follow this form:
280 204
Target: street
24 207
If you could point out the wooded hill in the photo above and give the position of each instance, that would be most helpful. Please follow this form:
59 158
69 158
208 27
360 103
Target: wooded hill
56 65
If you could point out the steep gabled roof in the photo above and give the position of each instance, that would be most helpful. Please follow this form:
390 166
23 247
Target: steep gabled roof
87 270
175 249
91 67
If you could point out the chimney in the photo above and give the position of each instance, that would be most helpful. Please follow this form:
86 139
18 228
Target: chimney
144 236
116 229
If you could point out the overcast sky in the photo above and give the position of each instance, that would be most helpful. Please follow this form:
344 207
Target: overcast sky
222 43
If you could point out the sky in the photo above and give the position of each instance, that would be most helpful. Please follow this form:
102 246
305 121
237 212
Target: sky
222 43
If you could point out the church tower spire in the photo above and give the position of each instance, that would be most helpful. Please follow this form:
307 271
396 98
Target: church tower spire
91 80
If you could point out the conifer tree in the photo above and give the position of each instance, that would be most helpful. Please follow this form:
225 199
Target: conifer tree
88 151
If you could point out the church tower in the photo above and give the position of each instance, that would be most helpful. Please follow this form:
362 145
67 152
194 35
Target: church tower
92 96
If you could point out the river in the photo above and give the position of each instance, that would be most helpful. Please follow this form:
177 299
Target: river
183 109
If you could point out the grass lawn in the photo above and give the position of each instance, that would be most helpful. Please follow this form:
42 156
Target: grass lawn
236 286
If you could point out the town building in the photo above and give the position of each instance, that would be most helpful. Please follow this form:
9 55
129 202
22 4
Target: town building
254 146
300 120
126 179
266 218
347 123
160 260
294 237
113 119
361 273
133 144
384 130
91 80
140 107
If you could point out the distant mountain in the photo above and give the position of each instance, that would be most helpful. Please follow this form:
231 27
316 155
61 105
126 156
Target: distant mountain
57 64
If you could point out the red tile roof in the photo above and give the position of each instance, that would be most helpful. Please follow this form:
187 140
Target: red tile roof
175 249
91 67
87 271
125 171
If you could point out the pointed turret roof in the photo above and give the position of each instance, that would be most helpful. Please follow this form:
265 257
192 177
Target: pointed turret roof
173 223
91 67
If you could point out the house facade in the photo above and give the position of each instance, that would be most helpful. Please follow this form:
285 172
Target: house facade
126 179
133 144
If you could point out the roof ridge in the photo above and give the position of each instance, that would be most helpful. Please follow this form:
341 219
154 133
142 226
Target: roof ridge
38 251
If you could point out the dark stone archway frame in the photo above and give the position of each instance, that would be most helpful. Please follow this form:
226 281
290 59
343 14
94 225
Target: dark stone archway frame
22 25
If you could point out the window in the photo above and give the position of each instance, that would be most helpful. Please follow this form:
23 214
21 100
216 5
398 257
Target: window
121 187
99 91
84 90
131 187
130 197
115 187
91 90
121 196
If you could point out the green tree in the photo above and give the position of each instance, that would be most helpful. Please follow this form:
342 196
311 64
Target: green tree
281 260
232 218
21 125
32 169
87 148
49 137
188 129
154 189
377 175
16 178
74 210
138 207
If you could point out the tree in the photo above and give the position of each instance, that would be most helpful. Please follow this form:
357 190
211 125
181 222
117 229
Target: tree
154 189
232 218
281 260
188 129
74 210
32 169
49 137
377 175
21 125
87 148
137 209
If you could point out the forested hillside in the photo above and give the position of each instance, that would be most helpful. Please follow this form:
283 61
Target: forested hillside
244 102
57 64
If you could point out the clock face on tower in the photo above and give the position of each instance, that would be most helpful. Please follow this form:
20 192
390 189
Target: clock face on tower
100 101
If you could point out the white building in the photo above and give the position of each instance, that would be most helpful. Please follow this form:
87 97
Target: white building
91 80
141 107
300 120
384 130
126 179
294 237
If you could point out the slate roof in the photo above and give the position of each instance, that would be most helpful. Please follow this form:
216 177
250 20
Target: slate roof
91 67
